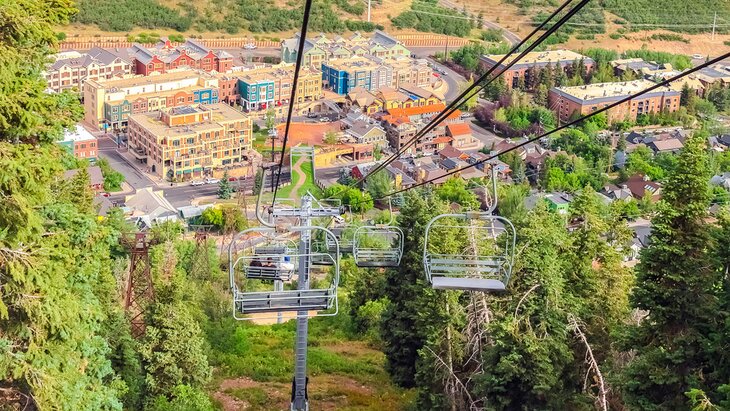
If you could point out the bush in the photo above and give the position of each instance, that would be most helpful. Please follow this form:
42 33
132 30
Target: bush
615 36
112 179
493 35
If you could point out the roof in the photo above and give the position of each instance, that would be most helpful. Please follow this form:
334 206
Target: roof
95 175
150 203
140 80
450 152
538 58
414 111
639 186
360 129
442 139
601 92
416 91
220 112
459 129
96 55
78 134
671 144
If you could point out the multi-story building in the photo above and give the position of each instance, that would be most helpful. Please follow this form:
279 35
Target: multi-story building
372 73
714 76
342 75
71 70
191 141
321 49
163 57
108 104
402 124
266 87
581 100
536 59
80 143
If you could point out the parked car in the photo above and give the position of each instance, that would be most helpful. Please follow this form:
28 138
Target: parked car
311 114
249 46
197 183
324 119
105 194
212 180
232 179
698 56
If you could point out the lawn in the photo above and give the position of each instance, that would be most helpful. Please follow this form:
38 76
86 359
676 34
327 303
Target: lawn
307 169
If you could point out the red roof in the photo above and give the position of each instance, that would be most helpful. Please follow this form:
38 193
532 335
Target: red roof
414 111
458 129
396 120
442 139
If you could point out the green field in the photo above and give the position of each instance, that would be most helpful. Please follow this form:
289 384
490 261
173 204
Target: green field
302 180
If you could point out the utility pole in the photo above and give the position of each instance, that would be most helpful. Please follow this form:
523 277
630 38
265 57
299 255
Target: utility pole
370 1
714 24
446 49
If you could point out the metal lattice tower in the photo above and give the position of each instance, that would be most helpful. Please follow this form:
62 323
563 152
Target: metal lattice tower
201 260
140 292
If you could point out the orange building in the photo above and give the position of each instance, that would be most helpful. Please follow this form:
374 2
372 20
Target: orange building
568 102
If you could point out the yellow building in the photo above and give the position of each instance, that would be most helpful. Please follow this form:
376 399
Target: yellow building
189 142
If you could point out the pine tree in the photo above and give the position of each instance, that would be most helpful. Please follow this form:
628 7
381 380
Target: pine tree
224 187
677 287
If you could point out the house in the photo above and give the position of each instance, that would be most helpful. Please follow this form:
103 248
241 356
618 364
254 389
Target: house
80 143
72 70
641 186
672 145
364 100
558 202
614 192
189 212
364 132
462 137
401 180
421 96
453 153
164 56
641 238
96 179
148 207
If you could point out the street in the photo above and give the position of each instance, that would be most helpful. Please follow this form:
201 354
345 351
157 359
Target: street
108 150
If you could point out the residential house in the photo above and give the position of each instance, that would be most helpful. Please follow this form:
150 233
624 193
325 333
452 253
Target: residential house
96 178
184 143
364 132
641 186
614 192
462 137
640 68
558 202
420 95
149 207
714 76
672 145
320 49
80 143
364 100
722 180
270 87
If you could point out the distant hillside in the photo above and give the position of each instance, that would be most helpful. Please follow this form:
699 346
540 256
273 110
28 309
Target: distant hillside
228 16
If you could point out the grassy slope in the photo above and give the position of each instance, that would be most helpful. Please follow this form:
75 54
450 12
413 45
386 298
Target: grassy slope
308 185
255 367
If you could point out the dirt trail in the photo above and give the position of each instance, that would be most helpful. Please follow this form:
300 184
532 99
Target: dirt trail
302 178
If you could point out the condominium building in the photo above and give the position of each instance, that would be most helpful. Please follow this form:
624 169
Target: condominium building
266 87
190 141
372 73
535 59
321 48
164 56
568 102
342 75
108 104
71 70
714 76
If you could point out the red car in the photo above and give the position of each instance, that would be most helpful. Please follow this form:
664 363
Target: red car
105 194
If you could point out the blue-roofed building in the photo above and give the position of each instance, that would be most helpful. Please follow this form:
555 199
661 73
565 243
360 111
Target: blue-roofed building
256 94
343 75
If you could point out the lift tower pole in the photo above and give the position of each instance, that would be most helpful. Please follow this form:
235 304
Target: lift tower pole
300 400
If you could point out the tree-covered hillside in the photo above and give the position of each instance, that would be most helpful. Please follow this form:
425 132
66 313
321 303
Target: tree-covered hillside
230 16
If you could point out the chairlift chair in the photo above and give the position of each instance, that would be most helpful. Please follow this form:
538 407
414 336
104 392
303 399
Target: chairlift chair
485 264
249 282
379 245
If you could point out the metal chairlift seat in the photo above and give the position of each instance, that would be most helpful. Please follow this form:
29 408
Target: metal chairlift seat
472 270
285 266
345 244
370 256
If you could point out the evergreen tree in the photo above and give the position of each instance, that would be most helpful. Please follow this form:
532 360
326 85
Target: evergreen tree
677 288
224 187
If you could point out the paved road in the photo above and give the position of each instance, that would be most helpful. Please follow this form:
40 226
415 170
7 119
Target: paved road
108 150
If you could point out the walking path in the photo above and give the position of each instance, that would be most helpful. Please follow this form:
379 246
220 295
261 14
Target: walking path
301 177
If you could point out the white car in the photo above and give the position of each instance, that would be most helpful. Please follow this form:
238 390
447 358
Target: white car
698 56
249 46
196 183
212 181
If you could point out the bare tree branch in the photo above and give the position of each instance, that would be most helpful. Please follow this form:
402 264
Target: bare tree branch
592 363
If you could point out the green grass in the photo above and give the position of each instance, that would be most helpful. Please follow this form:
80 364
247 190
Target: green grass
308 185
257 398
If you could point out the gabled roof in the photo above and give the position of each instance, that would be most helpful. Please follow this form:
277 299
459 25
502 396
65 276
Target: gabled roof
672 144
640 186
458 129
95 176
450 152
420 110
151 203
